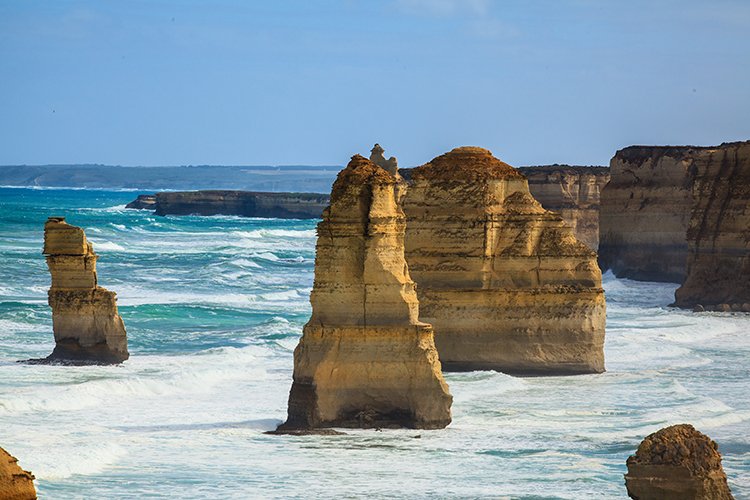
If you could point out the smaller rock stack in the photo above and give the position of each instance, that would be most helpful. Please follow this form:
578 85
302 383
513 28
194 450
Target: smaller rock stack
677 463
87 328
15 483
365 359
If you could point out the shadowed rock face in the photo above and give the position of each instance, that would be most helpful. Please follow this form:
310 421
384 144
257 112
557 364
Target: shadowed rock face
87 328
15 483
365 359
718 234
504 282
574 193
677 463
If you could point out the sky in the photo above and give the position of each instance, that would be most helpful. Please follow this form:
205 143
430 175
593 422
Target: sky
241 82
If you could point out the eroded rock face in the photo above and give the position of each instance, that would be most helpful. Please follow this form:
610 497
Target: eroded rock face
574 193
15 483
718 234
376 156
677 463
504 282
645 211
84 315
365 359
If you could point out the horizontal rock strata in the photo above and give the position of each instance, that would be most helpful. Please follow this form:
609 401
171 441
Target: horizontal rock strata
574 193
504 282
365 359
15 483
241 203
677 463
86 324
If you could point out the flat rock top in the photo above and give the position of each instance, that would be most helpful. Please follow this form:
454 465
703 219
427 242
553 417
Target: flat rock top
679 445
466 163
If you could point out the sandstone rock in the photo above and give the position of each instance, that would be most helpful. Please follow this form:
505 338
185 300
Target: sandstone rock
746 307
365 359
645 210
718 236
677 463
143 202
84 315
376 156
504 282
242 203
698 308
574 193
15 483
724 308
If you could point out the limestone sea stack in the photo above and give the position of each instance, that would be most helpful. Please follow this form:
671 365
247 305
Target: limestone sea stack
574 192
718 234
15 483
365 359
677 463
504 282
87 328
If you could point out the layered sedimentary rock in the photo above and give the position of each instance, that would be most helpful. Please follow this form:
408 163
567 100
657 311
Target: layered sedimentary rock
365 359
645 210
573 192
15 483
677 463
84 315
242 203
718 235
504 282
376 156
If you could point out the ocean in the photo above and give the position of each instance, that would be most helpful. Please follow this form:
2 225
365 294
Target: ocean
214 307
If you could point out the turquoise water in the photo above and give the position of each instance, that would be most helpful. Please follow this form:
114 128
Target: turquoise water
214 307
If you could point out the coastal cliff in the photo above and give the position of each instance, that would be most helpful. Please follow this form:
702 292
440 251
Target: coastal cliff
242 203
645 211
677 463
504 282
718 235
365 359
15 483
87 328
573 192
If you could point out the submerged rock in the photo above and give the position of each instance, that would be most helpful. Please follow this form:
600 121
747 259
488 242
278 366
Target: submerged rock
365 359
15 483
677 463
87 328
504 282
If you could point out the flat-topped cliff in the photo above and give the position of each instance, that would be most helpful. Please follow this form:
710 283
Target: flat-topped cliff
504 282
242 203
718 234
365 359
87 327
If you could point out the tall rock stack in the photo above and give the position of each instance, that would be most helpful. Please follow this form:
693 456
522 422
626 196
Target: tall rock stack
87 328
15 483
365 359
718 235
504 282
677 463
645 211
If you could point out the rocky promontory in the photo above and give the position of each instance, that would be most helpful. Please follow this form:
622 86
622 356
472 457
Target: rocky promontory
504 282
365 359
87 327
15 483
242 203
573 192
677 463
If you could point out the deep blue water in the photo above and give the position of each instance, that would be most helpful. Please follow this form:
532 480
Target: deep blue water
214 307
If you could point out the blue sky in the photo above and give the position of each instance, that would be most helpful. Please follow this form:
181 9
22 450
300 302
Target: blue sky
311 82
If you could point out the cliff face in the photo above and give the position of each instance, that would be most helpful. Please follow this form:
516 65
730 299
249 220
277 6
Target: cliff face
677 463
84 315
645 210
15 483
242 203
365 359
504 282
718 235
573 192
